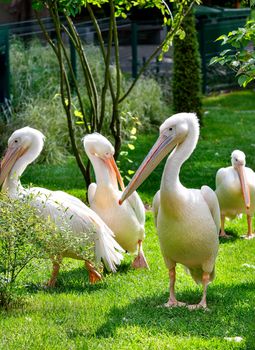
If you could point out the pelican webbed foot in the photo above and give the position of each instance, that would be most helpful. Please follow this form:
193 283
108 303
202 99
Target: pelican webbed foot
174 303
94 275
198 306
223 234
202 304
140 261
55 270
248 236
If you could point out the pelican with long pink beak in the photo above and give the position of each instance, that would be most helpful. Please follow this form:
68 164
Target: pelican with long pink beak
235 189
127 221
188 220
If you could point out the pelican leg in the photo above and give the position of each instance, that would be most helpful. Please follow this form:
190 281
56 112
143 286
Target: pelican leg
249 235
205 282
222 230
140 261
172 302
55 270
94 275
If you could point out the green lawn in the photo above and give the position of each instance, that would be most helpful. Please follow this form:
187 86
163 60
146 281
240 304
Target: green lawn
123 311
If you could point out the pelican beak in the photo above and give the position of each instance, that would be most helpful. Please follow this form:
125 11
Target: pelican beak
160 149
244 186
115 171
13 152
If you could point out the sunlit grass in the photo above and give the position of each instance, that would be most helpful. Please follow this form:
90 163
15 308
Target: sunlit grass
122 312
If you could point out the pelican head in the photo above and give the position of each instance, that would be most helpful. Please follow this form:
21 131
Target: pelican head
238 163
96 145
172 132
237 158
24 145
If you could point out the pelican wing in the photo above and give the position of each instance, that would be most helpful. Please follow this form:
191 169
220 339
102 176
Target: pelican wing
213 204
220 176
137 205
62 208
91 192
70 198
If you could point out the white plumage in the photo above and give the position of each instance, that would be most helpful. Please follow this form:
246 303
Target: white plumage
127 221
235 189
187 220
24 146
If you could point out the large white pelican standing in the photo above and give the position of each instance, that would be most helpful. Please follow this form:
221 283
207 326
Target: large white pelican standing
188 220
235 189
127 222
24 146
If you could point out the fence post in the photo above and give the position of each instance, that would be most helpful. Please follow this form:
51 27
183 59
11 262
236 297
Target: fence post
4 66
134 32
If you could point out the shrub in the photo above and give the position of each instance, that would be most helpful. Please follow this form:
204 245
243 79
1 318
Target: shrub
26 236
187 70
20 228
34 72
36 100
239 53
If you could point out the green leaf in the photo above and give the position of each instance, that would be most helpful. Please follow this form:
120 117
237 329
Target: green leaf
248 81
222 37
242 79
133 131
130 146
215 60
223 53
78 114
123 153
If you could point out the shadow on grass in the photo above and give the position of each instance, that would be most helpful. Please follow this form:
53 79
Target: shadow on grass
233 236
75 280
228 315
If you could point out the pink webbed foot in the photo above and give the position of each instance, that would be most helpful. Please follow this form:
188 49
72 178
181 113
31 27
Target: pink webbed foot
224 235
249 236
174 303
198 306
140 262
55 270
94 275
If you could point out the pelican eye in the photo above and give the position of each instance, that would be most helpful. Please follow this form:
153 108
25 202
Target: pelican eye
170 129
16 141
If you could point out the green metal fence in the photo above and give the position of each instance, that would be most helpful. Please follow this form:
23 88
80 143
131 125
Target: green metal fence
211 23
4 66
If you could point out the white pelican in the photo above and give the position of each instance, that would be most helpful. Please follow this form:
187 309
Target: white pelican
127 222
188 220
24 146
235 189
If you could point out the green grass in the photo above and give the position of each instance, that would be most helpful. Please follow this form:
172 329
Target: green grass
122 311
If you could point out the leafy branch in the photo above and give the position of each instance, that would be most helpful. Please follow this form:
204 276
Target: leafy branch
239 55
